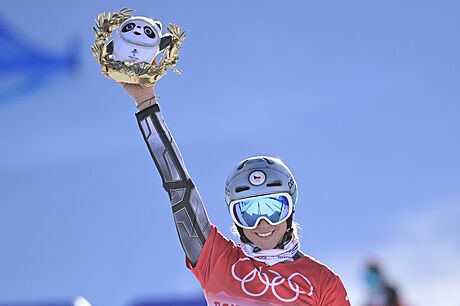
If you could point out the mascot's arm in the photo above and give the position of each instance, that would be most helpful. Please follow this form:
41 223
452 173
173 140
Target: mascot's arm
192 223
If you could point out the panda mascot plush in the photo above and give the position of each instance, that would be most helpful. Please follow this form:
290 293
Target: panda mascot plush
138 39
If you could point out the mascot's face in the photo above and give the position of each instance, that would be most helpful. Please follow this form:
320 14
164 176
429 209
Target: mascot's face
140 32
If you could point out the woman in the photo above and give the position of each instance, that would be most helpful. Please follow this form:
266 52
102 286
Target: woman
267 267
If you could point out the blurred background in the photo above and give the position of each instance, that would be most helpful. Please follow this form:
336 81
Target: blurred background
360 98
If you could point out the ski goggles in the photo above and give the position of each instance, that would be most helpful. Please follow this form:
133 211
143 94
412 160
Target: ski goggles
273 208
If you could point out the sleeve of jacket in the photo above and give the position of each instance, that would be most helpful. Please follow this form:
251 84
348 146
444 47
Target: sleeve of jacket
335 294
192 223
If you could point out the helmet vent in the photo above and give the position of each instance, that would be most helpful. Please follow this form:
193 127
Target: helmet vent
242 165
269 161
242 188
275 184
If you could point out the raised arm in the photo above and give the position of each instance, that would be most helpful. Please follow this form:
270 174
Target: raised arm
190 216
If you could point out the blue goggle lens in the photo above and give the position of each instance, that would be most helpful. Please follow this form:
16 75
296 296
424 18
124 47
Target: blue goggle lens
273 208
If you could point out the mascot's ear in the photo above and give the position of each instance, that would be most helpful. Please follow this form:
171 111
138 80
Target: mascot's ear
165 41
109 47
158 23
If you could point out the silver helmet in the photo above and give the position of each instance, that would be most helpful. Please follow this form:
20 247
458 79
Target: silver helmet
259 175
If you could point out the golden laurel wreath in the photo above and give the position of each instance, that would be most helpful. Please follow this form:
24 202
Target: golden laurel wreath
129 72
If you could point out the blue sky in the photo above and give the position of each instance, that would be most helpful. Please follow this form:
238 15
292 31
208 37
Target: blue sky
359 98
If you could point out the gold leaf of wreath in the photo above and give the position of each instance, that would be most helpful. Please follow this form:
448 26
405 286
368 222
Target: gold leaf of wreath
128 72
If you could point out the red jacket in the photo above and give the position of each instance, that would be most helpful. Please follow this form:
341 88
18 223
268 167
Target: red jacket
230 278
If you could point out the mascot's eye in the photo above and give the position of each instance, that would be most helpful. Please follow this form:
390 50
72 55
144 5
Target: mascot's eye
149 32
128 27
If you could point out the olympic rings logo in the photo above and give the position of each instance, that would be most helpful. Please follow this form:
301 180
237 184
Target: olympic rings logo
271 283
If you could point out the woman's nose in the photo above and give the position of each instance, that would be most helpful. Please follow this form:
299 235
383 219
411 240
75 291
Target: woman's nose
263 223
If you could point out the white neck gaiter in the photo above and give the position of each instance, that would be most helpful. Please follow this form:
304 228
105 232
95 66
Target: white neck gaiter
273 256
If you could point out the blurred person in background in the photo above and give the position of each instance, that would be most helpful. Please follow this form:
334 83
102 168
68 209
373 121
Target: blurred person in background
267 267
380 292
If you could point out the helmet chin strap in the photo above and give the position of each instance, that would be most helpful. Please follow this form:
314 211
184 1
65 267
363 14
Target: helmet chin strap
243 237
286 238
